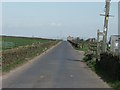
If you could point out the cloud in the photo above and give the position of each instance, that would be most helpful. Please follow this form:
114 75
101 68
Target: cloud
21 24
55 24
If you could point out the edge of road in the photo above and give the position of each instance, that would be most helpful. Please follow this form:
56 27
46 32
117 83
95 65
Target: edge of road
89 69
26 65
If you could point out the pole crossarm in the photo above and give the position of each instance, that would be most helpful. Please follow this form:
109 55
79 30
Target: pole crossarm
108 15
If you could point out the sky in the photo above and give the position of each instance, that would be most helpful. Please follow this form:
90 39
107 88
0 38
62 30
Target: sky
56 19
119 18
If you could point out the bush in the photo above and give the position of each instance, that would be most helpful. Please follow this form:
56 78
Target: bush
110 64
88 57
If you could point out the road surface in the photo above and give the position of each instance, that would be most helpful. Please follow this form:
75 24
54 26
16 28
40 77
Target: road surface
59 68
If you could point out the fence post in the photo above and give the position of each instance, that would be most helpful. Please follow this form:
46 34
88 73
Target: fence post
98 43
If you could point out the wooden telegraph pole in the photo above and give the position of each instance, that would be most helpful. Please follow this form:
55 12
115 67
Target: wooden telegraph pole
107 9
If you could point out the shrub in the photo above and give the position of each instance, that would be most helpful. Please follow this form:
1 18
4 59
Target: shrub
110 64
88 57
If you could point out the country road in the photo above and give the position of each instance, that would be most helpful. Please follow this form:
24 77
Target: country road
59 68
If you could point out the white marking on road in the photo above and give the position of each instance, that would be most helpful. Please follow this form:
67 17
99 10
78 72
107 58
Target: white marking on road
42 76
71 76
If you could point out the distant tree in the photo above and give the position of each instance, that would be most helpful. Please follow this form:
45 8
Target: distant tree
78 40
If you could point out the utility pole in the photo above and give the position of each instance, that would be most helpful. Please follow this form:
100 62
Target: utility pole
98 43
107 9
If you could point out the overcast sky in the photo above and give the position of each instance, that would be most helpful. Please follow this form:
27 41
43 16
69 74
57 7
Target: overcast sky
119 18
56 20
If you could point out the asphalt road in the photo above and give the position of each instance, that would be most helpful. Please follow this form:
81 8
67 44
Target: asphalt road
59 68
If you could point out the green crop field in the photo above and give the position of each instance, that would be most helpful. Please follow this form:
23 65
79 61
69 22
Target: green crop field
18 50
7 42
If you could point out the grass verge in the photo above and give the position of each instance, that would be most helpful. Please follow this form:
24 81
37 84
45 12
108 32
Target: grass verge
15 57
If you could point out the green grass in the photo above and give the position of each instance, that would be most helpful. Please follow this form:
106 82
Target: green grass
18 50
12 42
13 58
84 48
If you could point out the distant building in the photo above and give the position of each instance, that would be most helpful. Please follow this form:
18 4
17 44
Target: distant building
115 43
70 38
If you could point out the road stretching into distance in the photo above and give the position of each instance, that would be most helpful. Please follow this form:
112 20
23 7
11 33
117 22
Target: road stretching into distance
61 67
